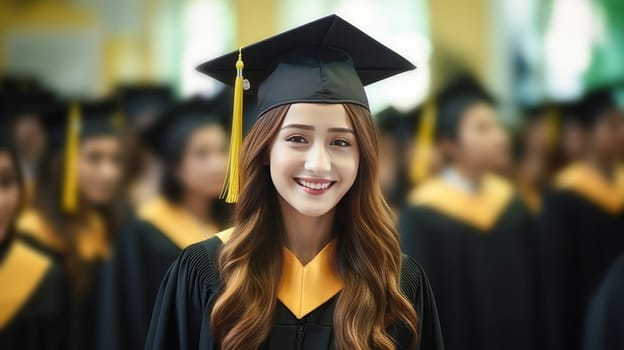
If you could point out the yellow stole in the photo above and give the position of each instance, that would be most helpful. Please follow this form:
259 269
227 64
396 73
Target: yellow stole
91 238
20 274
302 289
479 210
175 222
590 184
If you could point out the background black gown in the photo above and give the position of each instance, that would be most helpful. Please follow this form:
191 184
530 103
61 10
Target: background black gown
605 320
143 252
83 307
484 279
40 321
580 240
181 318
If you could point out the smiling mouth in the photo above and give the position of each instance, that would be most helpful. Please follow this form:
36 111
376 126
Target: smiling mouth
315 185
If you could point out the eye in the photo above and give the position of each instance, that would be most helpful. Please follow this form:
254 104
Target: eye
296 139
340 143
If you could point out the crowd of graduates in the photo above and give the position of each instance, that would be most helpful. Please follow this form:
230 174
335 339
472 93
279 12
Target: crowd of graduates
519 229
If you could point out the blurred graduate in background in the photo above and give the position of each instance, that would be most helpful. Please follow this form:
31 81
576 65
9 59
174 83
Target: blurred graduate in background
33 297
471 231
75 212
583 219
141 105
191 141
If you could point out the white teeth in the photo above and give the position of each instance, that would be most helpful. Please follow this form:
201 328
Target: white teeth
315 185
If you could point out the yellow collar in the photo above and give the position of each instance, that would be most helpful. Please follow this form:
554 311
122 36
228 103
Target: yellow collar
92 239
175 222
20 274
302 289
589 183
480 210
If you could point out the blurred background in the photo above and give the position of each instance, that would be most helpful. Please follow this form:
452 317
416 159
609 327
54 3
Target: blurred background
554 75
524 50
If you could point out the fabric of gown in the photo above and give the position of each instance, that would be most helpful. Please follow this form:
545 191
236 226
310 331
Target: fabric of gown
582 226
144 250
181 317
33 300
479 252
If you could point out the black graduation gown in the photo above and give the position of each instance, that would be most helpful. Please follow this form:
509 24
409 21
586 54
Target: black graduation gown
582 232
181 318
33 300
83 307
143 252
605 320
478 253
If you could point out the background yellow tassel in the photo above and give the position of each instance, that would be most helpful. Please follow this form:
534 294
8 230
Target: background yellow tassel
424 144
553 122
231 187
69 200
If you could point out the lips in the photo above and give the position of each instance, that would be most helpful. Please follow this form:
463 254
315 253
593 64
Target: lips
316 185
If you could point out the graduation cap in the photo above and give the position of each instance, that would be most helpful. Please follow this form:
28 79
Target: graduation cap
593 105
325 61
168 135
69 124
141 104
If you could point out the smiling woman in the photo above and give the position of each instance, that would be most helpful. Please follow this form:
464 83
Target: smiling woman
313 260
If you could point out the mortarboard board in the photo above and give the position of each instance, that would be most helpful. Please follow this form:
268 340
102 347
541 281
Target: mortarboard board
169 133
141 104
325 61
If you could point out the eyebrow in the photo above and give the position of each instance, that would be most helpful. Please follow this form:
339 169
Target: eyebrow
310 127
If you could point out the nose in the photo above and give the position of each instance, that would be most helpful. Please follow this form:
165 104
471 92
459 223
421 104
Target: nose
318 160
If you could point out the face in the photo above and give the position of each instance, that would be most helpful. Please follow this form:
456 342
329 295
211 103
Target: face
29 137
604 136
314 158
204 161
100 169
574 141
9 193
481 140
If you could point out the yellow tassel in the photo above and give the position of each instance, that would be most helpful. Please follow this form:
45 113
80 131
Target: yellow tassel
69 200
552 126
231 187
424 144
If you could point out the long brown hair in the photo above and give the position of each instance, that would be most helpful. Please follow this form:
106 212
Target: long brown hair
368 251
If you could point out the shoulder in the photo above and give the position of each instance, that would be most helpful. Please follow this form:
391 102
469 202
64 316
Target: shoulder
200 261
412 276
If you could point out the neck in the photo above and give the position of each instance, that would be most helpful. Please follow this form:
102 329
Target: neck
470 174
198 206
305 236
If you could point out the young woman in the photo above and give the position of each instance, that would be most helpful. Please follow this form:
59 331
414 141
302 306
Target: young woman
191 142
33 292
471 231
313 260
74 212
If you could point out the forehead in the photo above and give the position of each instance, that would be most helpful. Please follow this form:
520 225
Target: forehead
320 116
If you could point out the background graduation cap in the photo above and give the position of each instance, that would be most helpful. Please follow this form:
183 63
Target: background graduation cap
70 123
325 61
141 104
168 135
594 104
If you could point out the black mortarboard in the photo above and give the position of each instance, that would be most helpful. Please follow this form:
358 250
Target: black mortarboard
594 104
138 102
454 99
325 61
168 135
